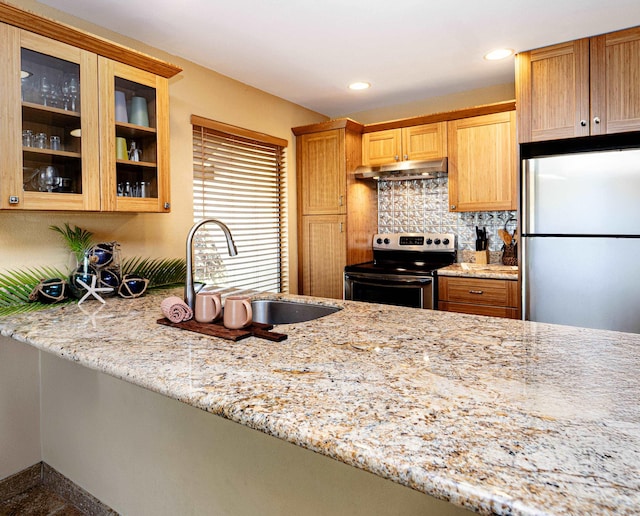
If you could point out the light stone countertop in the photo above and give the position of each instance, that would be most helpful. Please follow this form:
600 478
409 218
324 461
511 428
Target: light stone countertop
474 270
497 415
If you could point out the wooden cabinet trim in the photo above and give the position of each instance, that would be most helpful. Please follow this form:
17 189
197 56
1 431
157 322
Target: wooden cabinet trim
445 116
340 123
49 28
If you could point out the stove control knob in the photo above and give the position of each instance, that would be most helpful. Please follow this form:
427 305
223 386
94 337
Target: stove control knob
445 241
387 241
437 241
429 241
379 241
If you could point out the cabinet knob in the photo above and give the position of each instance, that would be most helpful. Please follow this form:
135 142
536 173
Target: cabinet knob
405 157
596 120
583 123
453 206
166 206
396 157
14 199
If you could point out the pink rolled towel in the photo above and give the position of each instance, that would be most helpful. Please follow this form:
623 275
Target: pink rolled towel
175 309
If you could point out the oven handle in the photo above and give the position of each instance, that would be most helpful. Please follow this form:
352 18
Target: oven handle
384 282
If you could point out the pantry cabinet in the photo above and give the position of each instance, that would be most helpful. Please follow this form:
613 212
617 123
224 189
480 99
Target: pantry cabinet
420 142
59 128
483 163
579 88
337 214
493 297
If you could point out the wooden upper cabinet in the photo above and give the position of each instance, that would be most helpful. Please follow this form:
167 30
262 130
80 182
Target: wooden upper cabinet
482 163
46 164
421 142
58 126
615 83
381 147
580 88
322 175
129 185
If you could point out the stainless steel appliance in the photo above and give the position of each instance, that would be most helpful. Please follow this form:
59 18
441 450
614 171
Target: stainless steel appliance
581 239
403 269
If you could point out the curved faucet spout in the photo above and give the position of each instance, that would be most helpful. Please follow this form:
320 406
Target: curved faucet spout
189 290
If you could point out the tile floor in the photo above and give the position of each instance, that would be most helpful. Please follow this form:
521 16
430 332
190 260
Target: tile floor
38 501
40 490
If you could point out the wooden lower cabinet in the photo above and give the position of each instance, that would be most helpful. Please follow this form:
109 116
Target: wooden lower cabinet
493 297
324 255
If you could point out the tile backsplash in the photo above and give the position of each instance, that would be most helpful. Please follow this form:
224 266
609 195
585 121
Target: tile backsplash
422 206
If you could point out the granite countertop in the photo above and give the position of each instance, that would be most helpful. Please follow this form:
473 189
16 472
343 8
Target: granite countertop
498 415
474 270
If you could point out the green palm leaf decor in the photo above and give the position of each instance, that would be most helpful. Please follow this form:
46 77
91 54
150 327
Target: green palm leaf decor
16 285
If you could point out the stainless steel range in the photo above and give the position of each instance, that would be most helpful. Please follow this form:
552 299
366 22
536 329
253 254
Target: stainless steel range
403 270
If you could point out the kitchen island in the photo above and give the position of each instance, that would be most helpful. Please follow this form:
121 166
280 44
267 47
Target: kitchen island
495 415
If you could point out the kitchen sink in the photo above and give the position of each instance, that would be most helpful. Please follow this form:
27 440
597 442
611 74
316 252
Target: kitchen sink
274 311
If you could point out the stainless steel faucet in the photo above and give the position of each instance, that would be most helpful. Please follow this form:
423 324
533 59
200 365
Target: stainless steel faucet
189 290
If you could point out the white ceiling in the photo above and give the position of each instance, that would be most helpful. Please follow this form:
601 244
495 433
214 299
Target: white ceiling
308 51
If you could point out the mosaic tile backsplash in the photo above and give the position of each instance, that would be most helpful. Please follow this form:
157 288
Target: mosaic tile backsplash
422 206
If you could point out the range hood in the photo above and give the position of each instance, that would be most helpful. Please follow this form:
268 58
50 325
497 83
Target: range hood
404 170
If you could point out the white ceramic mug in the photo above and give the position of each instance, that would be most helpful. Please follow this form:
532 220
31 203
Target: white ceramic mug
237 312
208 307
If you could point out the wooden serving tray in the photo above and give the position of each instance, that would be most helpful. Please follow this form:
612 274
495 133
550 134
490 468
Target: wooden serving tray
218 330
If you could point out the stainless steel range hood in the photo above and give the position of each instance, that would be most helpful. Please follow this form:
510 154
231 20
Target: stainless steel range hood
404 170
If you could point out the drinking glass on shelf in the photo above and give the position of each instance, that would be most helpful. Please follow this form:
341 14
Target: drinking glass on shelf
73 92
45 89
48 179
40 141
54 143
27 138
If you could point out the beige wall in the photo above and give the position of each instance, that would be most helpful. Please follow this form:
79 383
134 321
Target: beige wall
19 407
465 99
142 453
25 239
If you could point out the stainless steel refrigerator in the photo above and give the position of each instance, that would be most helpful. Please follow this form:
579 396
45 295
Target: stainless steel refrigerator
581 239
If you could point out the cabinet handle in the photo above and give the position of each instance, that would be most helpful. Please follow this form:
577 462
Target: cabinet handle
596 120
342 227
341 200
480 292
396 157
583 123
14 199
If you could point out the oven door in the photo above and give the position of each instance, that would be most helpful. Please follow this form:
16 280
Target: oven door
389 289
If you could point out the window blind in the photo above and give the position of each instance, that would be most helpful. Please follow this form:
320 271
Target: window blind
240 181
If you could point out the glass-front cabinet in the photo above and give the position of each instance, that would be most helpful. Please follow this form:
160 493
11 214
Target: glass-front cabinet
130 103
79 131
52 121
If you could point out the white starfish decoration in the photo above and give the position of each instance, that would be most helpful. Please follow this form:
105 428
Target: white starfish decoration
93 290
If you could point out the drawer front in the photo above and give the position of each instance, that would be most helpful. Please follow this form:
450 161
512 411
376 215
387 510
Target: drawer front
478 291
466 308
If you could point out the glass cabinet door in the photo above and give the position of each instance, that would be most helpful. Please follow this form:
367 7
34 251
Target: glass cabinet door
53 97
134 134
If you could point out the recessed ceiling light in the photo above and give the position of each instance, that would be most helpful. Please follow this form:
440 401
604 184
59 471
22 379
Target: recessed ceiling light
500 53
360 85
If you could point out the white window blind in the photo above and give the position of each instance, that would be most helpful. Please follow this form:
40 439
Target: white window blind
240 180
